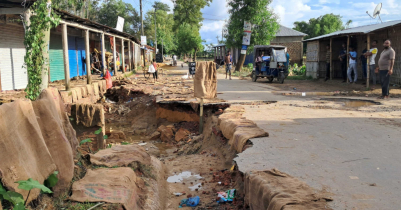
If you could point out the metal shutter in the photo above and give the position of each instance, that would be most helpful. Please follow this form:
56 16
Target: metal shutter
56 58
81 56
12 52
72 57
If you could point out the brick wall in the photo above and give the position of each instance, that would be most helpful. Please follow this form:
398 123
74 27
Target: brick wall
294 49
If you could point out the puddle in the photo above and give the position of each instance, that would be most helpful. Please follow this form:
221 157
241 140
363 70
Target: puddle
352 103
187 175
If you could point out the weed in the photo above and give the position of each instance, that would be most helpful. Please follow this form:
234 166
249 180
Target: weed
298 70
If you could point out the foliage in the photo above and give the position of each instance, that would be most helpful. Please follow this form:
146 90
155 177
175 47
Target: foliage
85 141
257 12
34 43
105 137
32 184
16 199
52 180
111 9
322 25
298 70
189 12
97 132
164 27
124 143
188 39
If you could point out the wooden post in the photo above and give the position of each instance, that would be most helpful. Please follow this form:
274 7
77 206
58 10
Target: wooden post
331 58
88 58
104 56
66 60
201 117
122 59
114 56
347 57
129 55
368 62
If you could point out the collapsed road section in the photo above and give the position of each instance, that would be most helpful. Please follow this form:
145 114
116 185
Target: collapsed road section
139 145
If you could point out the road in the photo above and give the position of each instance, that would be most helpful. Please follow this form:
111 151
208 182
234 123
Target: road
353 153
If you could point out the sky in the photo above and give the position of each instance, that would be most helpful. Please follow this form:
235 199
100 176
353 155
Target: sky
290 11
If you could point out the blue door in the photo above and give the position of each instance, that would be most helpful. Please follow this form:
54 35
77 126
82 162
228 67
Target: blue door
72 56
80 43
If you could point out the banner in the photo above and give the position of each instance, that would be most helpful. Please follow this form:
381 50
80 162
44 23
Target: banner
143 40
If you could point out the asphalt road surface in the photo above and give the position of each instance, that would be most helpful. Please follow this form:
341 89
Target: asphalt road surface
353 153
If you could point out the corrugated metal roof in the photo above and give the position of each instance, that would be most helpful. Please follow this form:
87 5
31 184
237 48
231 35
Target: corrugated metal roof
284 31
359 30
68 16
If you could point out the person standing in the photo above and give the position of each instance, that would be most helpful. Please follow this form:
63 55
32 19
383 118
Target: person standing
228 62
258 62
174 60
352 65
343 60
364 62
386 64
327 63
372 64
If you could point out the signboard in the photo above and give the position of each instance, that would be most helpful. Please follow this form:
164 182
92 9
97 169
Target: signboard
246 40
243 52
120 24
143 40
192 68
244 47
159 58
247 26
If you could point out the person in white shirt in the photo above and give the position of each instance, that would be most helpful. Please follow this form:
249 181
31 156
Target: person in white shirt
372 64
352 65
174 60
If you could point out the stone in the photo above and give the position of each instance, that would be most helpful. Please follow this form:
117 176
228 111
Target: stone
166 133
155 135
181 134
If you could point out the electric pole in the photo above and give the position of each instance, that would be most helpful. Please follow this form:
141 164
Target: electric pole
140 5
155 32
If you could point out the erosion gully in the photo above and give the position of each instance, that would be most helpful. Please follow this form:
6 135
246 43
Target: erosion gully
196 164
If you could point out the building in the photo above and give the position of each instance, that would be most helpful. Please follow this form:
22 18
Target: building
356 37
70 44
288 37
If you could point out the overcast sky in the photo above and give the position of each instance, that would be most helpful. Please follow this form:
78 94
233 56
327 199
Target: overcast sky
290 11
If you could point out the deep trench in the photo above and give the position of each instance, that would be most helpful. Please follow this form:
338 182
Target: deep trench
138 116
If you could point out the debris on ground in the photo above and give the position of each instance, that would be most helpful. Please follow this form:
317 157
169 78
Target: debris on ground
227 196
189 202
121 155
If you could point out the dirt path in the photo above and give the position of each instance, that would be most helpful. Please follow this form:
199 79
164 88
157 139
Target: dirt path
351 152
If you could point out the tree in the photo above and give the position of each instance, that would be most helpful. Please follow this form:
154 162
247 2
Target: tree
322 25
188 40
186 11
111 9
263 20
164 27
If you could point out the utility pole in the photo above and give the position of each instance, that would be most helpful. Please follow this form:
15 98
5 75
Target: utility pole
162 50
143 33
140 3
155 31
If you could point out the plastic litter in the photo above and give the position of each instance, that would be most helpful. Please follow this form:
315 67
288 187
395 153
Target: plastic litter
142 144
191 202
177 194
227 196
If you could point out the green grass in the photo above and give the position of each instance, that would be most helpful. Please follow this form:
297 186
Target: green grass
299 77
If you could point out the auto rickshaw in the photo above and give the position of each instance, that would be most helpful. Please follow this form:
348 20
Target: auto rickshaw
273 63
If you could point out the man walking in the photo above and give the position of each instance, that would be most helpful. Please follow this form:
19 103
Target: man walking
386 64
327 63
352 65
372 64
343 60
228 62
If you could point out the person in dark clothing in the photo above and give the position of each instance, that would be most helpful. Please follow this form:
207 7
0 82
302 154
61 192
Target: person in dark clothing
364 62
327 62
343 60
386 65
